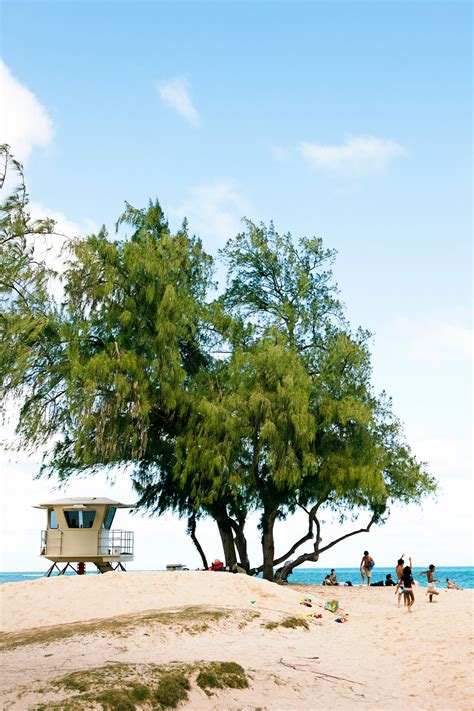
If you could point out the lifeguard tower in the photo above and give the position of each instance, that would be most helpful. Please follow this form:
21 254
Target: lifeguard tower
80 531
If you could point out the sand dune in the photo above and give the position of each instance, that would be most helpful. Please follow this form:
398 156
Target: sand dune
382 657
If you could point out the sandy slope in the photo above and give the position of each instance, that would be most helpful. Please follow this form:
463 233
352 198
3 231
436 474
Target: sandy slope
383 657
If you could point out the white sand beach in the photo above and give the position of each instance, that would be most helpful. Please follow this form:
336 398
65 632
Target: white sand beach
382 657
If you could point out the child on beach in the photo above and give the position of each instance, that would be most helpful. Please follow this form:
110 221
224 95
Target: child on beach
431 581
398 573
407 582
451 585
366 565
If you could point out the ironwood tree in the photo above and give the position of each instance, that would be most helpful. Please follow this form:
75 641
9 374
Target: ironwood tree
257 401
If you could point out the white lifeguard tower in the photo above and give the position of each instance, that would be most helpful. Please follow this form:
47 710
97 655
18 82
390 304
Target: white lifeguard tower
79 531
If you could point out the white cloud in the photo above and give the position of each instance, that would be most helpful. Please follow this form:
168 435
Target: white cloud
175 93
24 123
214 212
51 247
358 155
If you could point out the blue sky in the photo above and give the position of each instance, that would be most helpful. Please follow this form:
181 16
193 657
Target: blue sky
350 120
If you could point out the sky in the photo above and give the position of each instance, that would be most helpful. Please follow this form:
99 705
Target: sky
350 121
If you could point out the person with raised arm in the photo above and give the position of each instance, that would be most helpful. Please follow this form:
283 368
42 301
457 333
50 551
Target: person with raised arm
431 581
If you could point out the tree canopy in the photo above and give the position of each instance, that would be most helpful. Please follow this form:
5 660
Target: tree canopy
259 400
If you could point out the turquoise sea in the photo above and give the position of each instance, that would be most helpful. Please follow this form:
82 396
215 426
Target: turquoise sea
463 576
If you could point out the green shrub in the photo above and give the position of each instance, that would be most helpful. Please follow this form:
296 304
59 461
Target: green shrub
220 675
116 700
140 692
172 688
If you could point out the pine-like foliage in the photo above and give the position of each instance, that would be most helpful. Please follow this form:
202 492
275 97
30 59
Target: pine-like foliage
258 401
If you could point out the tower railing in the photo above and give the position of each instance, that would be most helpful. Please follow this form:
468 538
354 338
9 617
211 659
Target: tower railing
115 542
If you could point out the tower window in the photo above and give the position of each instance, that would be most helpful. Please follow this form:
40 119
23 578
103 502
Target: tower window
79 519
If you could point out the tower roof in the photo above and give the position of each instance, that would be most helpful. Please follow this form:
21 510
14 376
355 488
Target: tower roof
83 502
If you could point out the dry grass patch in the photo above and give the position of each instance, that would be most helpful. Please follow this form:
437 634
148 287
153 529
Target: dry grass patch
289 623
191 620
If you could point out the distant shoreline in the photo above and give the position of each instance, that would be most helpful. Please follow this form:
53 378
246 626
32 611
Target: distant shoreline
462 575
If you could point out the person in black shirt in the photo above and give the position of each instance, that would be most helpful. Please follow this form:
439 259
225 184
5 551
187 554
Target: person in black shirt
407 582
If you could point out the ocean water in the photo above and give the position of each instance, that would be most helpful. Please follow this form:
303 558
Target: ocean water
463 576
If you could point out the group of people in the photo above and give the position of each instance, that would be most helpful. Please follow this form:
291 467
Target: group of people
405 581
331 579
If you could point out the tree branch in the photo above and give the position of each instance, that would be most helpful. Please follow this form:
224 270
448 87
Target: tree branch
348 535
314 556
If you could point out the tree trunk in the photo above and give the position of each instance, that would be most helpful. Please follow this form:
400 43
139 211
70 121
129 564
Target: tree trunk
227 538
192 533
268 544
241 543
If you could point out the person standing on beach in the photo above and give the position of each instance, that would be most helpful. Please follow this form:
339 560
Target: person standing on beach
431 581
398 573
366 565
407 582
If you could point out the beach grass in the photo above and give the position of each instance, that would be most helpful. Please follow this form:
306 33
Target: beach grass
288 623
188 620
127 687
220 675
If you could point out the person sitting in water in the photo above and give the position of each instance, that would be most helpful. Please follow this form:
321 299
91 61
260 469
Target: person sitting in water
451 585
389 580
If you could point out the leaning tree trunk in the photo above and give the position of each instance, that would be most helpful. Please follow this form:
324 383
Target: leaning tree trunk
241 543
268 544
192 533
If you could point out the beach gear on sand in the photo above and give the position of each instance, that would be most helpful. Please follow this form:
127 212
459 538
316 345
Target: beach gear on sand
331 605
341 619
